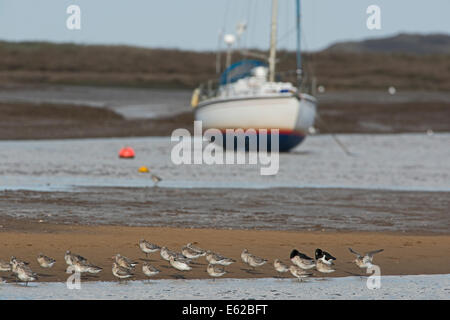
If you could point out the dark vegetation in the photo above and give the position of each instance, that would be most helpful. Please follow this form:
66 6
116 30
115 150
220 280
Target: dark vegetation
336 69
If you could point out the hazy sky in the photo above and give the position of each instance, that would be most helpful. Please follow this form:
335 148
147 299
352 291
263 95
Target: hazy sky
194 24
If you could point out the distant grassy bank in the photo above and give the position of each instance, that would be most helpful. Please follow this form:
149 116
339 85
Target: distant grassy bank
40 62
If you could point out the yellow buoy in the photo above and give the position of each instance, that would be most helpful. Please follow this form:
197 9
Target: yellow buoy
195 98
144 169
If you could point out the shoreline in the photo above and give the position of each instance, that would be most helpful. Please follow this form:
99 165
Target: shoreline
391 287
404 254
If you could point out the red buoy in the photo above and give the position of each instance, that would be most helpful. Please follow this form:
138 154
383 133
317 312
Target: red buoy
127 153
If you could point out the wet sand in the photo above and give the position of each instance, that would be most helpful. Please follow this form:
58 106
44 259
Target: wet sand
404 254
302 210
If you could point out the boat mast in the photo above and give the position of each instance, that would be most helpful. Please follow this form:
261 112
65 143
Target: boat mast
299 56
273 41
219 53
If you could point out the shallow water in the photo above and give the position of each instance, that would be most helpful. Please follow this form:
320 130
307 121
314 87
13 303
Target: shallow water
392 287
387 162
132 103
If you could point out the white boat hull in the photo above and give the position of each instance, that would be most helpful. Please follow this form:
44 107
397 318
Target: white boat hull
290 115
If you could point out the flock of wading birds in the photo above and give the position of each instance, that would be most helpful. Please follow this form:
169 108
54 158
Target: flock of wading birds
124 268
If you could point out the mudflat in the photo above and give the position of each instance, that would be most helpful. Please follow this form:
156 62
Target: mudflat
57 121
288 209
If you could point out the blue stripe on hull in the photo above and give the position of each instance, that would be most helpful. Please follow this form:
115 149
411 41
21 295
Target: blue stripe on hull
290 141
287 141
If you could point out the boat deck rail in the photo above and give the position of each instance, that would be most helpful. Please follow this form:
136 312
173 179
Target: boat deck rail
211 88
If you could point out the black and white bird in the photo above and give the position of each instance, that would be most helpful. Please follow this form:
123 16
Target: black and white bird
324 256
364 261
324 261
302 260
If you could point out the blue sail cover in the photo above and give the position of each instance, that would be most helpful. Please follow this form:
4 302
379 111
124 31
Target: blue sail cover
239 70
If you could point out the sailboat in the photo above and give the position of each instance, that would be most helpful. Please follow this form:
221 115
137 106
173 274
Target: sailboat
249 97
